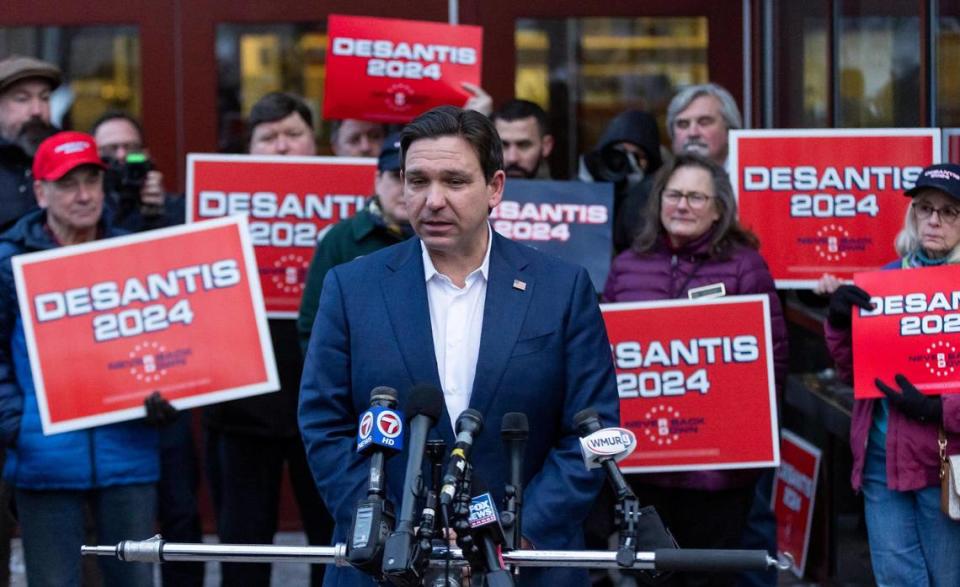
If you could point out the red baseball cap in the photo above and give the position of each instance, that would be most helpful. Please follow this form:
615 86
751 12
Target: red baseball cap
63 152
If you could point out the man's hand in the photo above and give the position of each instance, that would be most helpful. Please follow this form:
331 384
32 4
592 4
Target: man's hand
152 194
842 302
913 404
159 411
479 99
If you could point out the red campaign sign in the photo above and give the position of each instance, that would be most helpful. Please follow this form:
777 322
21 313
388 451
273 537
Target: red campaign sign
826 201
794 493
696 384
176 310
391 70
913 330
951 143
289 201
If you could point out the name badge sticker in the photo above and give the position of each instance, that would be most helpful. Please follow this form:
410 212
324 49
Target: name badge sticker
714 290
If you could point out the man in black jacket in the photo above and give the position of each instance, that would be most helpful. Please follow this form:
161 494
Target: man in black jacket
25 87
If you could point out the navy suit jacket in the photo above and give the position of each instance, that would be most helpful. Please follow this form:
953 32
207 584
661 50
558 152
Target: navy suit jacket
543 351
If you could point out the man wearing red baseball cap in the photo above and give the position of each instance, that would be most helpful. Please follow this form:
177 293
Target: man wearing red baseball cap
68 183
111 469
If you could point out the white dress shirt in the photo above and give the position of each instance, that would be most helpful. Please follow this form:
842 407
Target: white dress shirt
456 318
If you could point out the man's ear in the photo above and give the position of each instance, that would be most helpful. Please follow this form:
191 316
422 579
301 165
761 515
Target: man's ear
546 146
39 193
495 187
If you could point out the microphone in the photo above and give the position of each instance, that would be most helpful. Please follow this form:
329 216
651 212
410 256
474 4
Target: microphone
469 425
485 525
587 422
380 435
514 431
424 408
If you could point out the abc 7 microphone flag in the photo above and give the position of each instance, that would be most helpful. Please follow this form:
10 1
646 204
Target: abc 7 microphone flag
381 426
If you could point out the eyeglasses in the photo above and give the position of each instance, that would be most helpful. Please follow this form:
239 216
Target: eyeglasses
695 200
947 214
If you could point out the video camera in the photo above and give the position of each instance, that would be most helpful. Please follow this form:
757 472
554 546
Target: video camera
611 163
126 177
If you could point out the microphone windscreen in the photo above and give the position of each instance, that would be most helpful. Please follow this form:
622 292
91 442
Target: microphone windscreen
382 392
515 425
584 416
424 399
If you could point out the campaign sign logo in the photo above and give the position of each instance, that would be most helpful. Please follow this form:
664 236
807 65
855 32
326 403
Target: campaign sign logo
826 200
364 431
142 313
391 70
572 220
913 330
794 493
696 383
289 202
482 511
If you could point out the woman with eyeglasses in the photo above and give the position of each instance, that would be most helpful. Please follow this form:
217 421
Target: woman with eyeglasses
896 440
691 239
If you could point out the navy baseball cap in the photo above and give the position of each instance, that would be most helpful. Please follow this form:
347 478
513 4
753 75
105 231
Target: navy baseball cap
943 176
390 154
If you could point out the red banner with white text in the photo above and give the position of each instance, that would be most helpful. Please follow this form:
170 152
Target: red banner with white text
913 330
177 310
390 70
289 201
794 495
696 383
826 201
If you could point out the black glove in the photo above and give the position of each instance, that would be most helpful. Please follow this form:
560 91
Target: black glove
159 411
913 404
842 302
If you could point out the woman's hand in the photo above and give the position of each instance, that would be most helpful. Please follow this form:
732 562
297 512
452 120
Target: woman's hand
844 298
909 400
826 285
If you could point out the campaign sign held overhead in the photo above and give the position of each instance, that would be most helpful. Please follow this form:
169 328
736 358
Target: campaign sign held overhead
826 201
390 70
176 310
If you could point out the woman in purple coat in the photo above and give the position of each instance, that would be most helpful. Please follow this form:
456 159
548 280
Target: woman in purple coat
691 239
895 441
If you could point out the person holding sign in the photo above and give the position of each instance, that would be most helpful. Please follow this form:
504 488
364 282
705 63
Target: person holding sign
253 437
691 246
895 441
114 468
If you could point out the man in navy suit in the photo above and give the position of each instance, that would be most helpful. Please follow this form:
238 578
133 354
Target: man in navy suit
497 326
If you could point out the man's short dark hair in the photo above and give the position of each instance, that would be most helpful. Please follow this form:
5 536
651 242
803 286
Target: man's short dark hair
471 126
116 115
277 106
520 109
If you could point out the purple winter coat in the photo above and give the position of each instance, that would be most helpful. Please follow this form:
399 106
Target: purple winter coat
664 274
913 455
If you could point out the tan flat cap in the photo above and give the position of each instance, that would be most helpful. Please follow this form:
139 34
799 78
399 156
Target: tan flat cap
17 68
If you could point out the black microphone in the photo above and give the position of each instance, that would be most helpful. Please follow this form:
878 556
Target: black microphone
484 524
469 425
588 422
380 434
423 410
514 431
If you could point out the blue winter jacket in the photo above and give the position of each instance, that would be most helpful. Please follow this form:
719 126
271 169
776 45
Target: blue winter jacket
116 454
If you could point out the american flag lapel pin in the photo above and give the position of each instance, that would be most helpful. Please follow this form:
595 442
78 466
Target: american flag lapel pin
521 285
